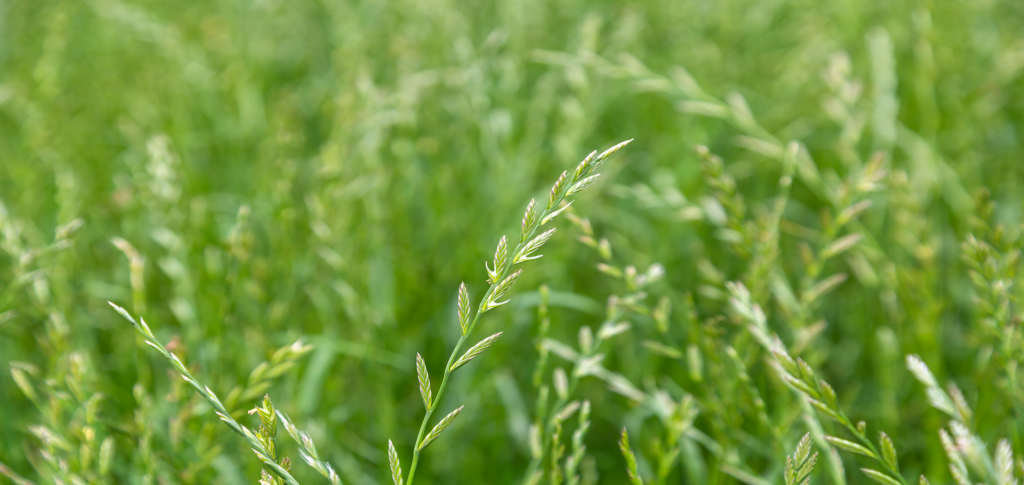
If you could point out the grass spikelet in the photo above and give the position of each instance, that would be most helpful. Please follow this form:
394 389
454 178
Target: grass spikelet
840 246
921 371
1004 464
424 379
591 164
396 466
956 462
627 453
20 372
474 351
937 397
499 291
529 220
584 167
556 190
439 428
555 213
500 257
561 382
849 446
526 254
582 184
888 452
464 305
879 477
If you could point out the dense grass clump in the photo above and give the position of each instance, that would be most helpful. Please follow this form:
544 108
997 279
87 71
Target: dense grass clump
309 220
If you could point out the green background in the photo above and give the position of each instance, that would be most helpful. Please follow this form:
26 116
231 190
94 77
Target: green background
333 170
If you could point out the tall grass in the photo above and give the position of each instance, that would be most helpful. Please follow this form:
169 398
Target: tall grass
292 193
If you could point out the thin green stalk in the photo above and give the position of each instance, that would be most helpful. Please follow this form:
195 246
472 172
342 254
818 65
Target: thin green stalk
554 410
440 392
532 222
455 352
549 427
260 449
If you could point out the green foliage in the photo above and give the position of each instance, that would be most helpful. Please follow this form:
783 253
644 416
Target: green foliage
815 237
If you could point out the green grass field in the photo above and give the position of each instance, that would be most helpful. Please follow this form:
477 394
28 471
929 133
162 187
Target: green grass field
290 194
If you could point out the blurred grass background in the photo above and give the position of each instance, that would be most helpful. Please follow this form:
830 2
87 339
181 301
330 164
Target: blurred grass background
332 170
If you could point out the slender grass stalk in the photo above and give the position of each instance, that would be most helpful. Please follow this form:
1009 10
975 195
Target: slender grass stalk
822 397
566 185
258 446
818 393
587 362
579 449
566 387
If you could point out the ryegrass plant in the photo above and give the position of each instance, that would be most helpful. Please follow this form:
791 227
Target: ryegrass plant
261 442
294 190
501 279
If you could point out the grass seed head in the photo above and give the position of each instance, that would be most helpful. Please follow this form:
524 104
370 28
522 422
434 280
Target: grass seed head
464 309
424 380
439 428
475 350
